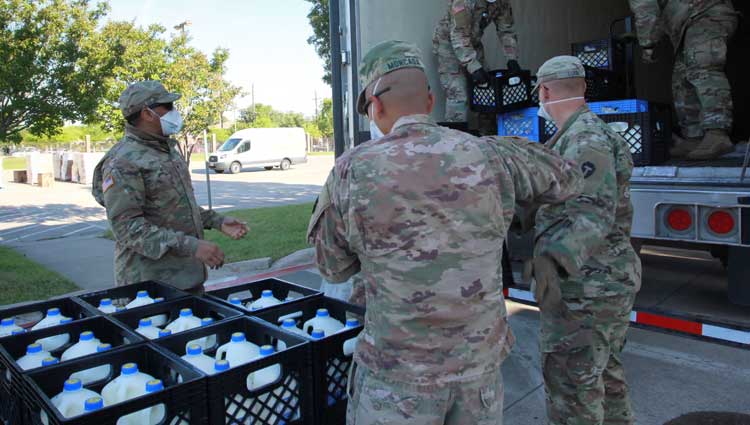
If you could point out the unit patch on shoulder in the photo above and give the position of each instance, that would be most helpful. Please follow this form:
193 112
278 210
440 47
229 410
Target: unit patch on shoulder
588 169
108 182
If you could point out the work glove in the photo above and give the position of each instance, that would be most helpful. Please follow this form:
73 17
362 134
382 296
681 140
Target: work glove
480 77
648 55
513 66
546 283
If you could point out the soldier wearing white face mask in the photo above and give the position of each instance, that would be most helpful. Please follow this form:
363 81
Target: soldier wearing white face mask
144 183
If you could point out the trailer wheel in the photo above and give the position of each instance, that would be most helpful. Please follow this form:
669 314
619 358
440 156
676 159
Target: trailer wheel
219 171
235 168
738 270
268 168
285 164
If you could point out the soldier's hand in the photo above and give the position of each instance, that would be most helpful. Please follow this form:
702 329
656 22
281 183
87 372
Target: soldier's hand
234 228
649 56
513 66
209 254
546 284
480 77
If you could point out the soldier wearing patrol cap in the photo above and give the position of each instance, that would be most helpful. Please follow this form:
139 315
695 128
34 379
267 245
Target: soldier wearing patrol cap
144 183
421 214
586 271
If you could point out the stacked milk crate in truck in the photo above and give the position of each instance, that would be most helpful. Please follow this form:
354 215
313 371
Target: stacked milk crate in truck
264 352
646 126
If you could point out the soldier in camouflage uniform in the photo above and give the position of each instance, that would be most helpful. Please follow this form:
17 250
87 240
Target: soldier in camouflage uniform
421 215
699 31
144 183
457 42
586 271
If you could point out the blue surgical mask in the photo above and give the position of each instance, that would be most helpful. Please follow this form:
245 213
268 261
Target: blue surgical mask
543 113
171 122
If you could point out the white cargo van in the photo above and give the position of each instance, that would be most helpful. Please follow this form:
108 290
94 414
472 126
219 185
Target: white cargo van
260 147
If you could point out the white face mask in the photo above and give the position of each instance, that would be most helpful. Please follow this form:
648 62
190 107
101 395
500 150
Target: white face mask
543 113
375 132
171 122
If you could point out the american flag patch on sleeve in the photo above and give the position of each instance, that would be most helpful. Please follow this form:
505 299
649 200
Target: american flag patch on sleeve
107 183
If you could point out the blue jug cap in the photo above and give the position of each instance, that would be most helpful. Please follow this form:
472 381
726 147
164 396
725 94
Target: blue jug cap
103 347
238 337
141 294
8 322
93 403
72 385
86 336
164 333
34 348
322 312
54 311
194 350
18 332
186 312
129 369
207 321
352 323
266 350
154 385
235 301
144 323
49 361
221 365
267 293
288 323
66 320
105 302
318 334
158 300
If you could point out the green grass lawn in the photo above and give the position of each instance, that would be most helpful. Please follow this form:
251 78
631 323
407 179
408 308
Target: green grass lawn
24 280
14 163
197 158
274 232
320 153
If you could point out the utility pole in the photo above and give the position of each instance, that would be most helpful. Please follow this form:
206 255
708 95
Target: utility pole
316 104
182 25
252 90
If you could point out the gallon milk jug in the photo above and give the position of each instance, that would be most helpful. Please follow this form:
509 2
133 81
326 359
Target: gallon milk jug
324 322
289 325
236 301
185 322
164 333
141 299
71 402
159 319
238 350
34 356
147 329
201 361
267 375
7 326
106 306
318 334
266 300
350 344
53 318
95 373
86 344
150 416
130 384
220 366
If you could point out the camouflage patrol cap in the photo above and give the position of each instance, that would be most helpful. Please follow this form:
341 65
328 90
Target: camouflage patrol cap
144 93
382 59
560 68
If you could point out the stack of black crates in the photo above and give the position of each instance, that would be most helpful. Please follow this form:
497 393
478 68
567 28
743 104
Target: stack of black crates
610 92
309 389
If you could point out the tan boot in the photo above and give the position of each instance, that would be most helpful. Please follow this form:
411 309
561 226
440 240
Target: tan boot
715 144
682 147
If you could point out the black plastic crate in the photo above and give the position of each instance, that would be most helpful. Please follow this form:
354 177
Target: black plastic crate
533 93
247 292
122 295
646 127
201 308
29 315
287 401
603 54
183 401
648 133
603 84
506 91
330 365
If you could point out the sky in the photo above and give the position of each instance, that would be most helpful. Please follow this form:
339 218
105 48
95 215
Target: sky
267 41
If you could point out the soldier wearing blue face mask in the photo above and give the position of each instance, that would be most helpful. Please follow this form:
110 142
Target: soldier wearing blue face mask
144 183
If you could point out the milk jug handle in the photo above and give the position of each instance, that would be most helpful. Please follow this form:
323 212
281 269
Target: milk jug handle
63 407
220 353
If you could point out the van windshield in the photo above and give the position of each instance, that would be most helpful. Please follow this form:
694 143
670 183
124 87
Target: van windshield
229 145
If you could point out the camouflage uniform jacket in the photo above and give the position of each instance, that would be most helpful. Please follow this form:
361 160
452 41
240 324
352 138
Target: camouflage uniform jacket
589 236
421 214
655 17
467 20
145 186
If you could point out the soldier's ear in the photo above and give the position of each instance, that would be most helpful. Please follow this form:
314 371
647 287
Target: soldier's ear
430 102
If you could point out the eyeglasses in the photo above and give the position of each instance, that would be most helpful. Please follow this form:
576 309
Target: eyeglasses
376 94
167 106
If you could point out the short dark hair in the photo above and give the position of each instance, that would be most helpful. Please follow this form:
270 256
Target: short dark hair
134 118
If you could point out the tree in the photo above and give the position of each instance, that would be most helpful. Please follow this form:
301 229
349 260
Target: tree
48 75
325 118
321 38
264 116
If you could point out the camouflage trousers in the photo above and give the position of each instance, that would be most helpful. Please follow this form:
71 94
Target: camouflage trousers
376 401
453 75
702 94
584 378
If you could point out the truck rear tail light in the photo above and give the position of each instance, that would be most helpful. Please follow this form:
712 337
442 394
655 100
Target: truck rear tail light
679 219
721 222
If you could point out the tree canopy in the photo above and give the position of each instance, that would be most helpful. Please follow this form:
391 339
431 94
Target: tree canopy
321 38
